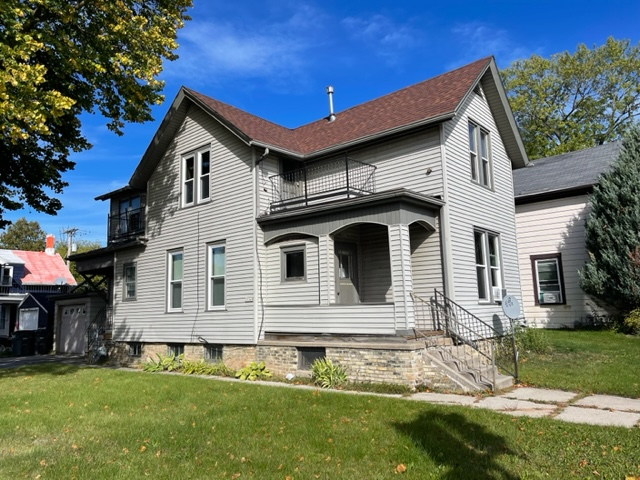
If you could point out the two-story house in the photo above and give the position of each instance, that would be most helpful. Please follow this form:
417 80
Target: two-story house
240 239
28 281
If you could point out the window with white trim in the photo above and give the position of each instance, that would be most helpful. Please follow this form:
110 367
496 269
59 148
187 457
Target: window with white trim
6 276
196 177
293 263
488 265
216 273
548 282
129 280
479 155
174 287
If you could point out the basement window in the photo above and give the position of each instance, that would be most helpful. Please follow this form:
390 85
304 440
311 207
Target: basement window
308 355
175 349
135 349
213 353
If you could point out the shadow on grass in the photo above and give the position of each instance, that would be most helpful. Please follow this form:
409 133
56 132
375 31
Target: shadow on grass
50 367
466 449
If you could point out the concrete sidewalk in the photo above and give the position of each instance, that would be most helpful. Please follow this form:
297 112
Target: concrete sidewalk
537 402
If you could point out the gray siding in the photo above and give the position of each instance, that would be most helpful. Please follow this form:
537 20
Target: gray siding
375 266
297 292
426 261
228 217
472 205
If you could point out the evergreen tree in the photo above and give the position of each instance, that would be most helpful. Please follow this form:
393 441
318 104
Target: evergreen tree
613 231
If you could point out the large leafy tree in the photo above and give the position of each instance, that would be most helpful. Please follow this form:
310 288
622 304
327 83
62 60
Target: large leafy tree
613 231
60 58
572 101
23 235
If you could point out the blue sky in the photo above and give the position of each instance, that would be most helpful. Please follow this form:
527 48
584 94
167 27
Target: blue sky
274 59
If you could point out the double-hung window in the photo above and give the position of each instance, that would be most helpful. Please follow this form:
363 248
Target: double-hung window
196 177
174 287
6 276
217 271
548 283
129 277
479 155
488 265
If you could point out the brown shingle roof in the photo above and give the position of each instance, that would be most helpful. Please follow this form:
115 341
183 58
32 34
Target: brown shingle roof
426 101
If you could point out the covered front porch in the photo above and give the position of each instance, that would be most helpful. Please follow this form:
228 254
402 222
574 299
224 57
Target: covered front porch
349 267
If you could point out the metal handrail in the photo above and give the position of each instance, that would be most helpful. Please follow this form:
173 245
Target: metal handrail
126 224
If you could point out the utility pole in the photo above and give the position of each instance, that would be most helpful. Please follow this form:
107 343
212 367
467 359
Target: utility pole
69 232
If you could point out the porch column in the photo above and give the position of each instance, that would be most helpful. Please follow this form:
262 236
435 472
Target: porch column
327 267
401 276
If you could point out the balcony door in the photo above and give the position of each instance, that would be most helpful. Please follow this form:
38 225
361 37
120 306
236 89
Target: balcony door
346 259
130 215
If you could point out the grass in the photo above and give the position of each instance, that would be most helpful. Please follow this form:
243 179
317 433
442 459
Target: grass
588 361
81 422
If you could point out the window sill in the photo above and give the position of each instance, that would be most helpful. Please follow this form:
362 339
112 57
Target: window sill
222 308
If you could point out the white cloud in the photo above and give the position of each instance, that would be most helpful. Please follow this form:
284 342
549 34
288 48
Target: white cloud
481 39
381 34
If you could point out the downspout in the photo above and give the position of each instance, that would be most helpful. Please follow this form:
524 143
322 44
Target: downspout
254 186
445 226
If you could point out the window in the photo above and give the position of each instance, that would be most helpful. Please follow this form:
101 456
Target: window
479 155
213 353
217 267
6 276
548 283
4 319
130 215
293 267
28 319
135 349
308 355
175 281
196 177
488 268
129 276
175 349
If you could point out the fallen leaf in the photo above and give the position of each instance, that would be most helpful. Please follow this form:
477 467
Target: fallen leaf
401 468
142 448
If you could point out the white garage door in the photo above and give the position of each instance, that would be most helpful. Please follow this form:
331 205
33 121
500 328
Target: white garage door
73 330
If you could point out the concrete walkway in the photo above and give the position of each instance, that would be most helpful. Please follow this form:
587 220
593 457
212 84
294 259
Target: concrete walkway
572 407
537 402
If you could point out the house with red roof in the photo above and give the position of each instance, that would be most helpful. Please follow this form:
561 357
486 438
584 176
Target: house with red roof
354 237
28 283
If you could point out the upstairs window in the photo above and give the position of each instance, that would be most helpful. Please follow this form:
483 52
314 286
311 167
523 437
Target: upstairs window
174 288
479 155
196 177
488 266
6 276
548 282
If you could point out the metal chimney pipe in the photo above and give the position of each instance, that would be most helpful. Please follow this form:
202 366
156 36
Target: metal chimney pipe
332 117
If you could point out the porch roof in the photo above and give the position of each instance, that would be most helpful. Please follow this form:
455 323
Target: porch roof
391 207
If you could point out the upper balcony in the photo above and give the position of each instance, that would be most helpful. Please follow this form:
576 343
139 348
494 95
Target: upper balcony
126 225
322 182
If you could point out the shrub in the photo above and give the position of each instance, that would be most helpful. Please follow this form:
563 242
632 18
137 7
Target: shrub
253 371
162 364
200 367
631 322
533 340
328 375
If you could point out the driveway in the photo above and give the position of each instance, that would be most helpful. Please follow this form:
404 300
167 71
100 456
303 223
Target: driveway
9 362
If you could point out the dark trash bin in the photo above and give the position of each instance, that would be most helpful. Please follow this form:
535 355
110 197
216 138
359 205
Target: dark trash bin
23 343
41 342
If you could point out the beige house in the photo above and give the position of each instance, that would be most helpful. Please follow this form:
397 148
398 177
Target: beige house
551 197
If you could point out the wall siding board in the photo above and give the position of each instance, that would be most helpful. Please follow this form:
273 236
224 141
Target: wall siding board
226 217
471 205
555 226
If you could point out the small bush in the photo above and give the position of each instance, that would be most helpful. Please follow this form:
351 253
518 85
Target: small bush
631 322
328 375
163 364
200 367
253 371
532 340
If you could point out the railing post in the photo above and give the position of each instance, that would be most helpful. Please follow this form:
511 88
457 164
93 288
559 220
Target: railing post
306 194
346 167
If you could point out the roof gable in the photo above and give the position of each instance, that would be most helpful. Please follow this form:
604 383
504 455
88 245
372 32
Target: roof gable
430 101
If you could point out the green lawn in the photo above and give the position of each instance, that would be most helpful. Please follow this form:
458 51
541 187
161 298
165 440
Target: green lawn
63 422
586 361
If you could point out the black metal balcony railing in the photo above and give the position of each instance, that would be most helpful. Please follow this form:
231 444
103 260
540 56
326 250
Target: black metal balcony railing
126 224
344 178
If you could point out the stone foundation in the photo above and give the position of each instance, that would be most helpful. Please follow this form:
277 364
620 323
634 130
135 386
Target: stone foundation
394 363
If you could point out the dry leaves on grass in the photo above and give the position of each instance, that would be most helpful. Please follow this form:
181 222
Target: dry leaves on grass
400 468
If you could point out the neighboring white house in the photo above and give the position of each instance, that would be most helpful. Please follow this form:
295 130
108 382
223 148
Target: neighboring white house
551 197
242 239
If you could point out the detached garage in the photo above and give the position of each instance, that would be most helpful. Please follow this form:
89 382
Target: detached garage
74 315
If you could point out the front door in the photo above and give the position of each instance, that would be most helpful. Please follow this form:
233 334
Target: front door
347 273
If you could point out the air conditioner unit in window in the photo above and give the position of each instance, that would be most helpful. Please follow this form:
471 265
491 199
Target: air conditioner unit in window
498 293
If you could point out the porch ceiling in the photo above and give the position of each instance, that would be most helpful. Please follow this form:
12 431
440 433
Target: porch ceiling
392 207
